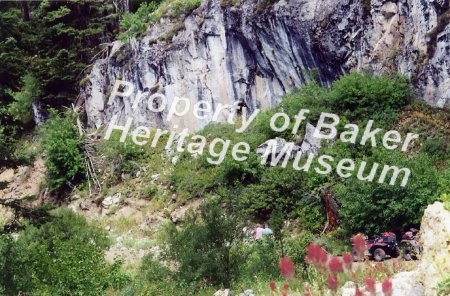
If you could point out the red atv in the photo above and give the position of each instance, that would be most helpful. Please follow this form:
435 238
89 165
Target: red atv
380 247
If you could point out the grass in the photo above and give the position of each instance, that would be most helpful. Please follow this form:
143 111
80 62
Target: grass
174 8
228 3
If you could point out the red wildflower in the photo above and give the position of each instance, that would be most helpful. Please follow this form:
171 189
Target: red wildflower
317 256
332 282
323 258
284 293
335 265
358 292
312 253
369 283
359 244
286 286
348 260
386 287
272 285
286 268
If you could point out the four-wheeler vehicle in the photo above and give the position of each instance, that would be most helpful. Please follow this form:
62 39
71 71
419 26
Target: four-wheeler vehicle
381 247
410 246
386 245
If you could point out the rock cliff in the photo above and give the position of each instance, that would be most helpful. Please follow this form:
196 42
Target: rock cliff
256 52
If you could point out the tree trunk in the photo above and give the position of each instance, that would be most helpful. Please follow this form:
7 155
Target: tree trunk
25 11
331 207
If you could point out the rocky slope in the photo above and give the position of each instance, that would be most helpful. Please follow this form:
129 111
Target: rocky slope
257 53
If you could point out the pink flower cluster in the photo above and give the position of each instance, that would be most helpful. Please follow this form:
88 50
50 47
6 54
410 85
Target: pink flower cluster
332 266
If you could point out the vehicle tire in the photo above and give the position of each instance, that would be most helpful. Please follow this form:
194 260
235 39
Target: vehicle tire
396 252
379 254
406 254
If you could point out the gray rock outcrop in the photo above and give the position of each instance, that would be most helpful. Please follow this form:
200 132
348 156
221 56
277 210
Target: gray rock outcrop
223 54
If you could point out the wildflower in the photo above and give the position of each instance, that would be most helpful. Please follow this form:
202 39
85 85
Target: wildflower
272 285
286 268
348 260
386 287
369 283
322 258
359 245
317 256
286 286
335 265
312 254
332 282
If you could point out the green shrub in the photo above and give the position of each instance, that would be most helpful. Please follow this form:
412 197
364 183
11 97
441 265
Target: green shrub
262 259
436 149
445 198
20 109
297 246
184 7
6 144
278 188
373 208
311 214
63 257
121 158
63 146
363 96
134 24
204 247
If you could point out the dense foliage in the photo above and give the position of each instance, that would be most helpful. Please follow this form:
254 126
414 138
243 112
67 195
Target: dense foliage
133 24
62 257
257 190
45 49
63 146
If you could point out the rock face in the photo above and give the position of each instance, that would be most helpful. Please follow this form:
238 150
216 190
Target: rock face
223 54
435 238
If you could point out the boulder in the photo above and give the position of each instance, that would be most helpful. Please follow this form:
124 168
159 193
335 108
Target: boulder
223 292
111 200
278 144
311 144
247 293
435 239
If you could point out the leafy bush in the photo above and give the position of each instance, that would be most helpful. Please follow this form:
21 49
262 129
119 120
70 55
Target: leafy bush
360 96
6 143
279 188
203 248
261 260
121 158
20 109
436 149
63 146
445 198
62 257
184 7
373 208
297 246
134 24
